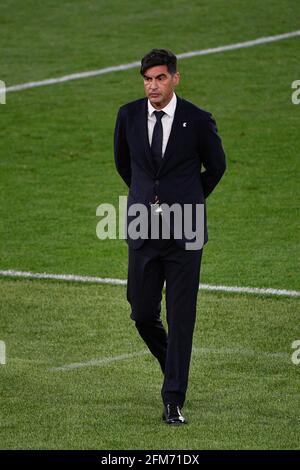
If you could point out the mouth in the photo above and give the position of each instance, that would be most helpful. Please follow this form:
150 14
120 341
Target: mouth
154 95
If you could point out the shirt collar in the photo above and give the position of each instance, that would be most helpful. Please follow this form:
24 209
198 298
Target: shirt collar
169 109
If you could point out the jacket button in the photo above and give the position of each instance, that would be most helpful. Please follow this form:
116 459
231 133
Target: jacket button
156 182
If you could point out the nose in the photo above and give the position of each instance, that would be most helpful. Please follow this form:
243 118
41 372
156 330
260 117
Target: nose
153 85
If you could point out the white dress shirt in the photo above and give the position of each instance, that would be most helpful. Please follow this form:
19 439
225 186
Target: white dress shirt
166 120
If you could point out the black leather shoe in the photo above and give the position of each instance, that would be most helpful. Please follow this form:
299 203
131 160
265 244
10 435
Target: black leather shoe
172 415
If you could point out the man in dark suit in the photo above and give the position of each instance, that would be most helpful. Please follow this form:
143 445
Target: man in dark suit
161 143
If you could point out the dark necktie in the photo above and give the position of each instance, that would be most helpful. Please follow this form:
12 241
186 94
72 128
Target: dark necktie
157 139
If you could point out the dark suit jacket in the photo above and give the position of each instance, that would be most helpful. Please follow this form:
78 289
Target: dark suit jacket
193 143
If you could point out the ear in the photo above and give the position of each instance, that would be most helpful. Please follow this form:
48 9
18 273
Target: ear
176 78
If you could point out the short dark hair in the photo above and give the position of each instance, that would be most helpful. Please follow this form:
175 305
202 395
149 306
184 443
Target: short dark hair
159 57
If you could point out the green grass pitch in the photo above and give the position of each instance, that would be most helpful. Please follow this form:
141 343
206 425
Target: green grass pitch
56 162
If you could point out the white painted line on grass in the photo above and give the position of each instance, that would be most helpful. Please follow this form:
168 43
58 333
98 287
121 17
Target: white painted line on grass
251 290
185 55
123 282
62 277
73 76
220 351
100 362
2 353
242 352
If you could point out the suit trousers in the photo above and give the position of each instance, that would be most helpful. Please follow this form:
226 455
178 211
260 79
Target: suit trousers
156 262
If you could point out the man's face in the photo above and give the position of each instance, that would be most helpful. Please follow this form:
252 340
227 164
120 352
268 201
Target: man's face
159 85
